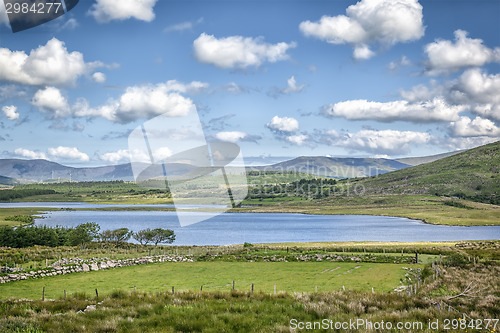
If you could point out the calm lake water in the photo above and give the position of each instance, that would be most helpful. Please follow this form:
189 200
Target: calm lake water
237 228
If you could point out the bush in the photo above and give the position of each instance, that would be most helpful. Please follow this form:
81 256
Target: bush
454 259
24 219
27 236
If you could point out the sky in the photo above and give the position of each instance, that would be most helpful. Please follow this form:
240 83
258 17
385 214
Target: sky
373 78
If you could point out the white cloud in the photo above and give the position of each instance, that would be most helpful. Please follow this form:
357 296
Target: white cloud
362 52
460 143
231 136
10 112
479 90
193 87
285 124
49 64
465 127
108 10
136 102
34 155
121 155
367 22
390 142
52 101
186 25
292 86
238 52
445 56
433 110
70 153
99 77
298 139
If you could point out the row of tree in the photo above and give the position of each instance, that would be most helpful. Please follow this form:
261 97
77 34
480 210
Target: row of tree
144 237
84 233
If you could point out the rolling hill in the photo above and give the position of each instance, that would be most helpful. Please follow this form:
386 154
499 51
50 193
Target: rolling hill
336 167
473 174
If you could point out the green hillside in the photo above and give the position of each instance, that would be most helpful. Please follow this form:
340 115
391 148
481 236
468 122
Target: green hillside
473 175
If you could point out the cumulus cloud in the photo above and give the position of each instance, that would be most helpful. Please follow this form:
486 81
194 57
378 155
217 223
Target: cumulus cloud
445 56
390 142
70 153
99 77
10 112
362 52
480 91
284 124
238 51
298 139
31 154
52 102
385 22
137 102
465 127
433 110
144 101
49 64
108 10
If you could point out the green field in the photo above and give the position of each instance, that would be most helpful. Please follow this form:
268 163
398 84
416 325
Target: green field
217 276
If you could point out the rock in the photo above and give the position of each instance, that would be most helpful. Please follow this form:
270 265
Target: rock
85 267
90 308
94 266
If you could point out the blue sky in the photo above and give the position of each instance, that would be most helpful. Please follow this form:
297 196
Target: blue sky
280 78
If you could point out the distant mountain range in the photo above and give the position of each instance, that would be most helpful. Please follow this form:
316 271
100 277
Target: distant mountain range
336 167
42 170
13 171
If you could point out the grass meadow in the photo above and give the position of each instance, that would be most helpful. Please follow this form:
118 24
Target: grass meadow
217 276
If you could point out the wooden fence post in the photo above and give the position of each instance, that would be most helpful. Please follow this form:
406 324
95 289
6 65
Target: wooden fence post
43 294
252 288
233 284
96 294
173 290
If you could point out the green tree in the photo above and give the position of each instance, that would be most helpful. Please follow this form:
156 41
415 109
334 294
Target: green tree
84 233
162 236
144 237
121 235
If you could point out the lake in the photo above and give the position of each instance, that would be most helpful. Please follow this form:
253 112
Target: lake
237 228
